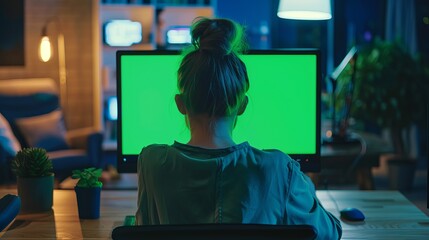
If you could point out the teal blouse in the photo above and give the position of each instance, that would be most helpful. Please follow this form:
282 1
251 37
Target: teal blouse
183 184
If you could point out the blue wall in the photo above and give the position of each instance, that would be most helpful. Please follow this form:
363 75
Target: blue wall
253 14
283 33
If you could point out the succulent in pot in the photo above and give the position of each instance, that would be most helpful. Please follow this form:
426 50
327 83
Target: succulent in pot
35 179
88 191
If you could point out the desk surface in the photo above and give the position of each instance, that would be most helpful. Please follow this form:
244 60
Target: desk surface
389 215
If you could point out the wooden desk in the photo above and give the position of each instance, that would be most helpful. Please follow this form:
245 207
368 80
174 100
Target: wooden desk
389 215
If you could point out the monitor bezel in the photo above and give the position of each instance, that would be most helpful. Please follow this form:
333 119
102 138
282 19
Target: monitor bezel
308 162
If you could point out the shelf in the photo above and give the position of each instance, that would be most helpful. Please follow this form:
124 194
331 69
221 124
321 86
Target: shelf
162 3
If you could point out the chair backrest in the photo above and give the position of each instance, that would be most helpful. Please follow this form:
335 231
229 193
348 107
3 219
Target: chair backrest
27 97
215 232
23 98
9 208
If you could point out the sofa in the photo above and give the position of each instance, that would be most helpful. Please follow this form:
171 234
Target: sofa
31 116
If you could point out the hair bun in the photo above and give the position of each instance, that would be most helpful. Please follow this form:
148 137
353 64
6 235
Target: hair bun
221 36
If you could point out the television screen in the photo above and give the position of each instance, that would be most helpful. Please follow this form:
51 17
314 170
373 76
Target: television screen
179 35
283 111
122 33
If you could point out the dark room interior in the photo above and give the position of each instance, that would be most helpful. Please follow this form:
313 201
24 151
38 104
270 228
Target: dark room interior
341 87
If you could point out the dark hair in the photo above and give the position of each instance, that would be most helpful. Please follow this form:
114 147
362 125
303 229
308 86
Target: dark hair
212 79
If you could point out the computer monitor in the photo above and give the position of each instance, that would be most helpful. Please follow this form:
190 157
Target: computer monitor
283 110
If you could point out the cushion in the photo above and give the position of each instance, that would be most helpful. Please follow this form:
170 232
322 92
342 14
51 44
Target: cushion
7 140
45 131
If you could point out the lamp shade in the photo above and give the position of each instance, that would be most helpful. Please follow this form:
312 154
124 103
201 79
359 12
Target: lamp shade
305 9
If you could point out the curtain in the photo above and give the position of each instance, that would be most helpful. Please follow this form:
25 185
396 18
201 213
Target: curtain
401 23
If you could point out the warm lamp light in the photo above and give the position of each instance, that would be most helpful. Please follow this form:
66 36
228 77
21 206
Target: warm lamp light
45 53
45 49
305 9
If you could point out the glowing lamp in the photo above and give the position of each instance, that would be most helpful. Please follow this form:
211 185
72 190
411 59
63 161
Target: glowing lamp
45 49
305 9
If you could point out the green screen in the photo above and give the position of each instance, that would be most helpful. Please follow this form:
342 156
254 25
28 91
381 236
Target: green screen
281 113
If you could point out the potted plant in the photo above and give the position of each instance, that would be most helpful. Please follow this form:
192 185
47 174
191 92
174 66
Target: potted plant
88 190
35 179
390 92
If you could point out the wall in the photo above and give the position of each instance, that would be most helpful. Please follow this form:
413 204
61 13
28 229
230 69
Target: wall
75 18
255 15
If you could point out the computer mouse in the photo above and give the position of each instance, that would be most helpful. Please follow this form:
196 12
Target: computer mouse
352 214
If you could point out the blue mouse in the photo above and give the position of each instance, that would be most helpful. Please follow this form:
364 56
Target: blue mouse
352 214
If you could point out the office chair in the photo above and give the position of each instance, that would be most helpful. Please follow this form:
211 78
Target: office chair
214 232
9 208
33 110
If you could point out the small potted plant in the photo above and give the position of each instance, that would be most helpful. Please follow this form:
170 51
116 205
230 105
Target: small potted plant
88 190
35 179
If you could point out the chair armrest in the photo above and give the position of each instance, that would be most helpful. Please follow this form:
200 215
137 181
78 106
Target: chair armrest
77 138
95 149
4 155
88 139
6 173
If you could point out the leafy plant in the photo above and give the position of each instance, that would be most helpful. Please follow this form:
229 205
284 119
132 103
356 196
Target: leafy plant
389 90
88 177
32 162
